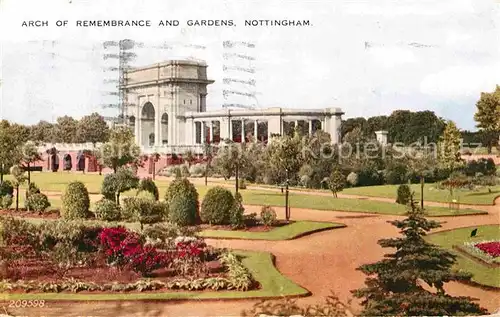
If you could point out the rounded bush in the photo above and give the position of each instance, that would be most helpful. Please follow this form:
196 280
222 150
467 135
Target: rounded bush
242 184
236 217
107 210
404 193
6 201
148 185
181 211
75 201
33 188
352 179
108 187
184 193
268 215
37 202
216 206
6 188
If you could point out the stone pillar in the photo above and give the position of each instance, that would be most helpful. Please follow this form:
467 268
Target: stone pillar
381 137
243 131
137 129
157 122
255 130
310 127
211 131
230 129
139 123
203 132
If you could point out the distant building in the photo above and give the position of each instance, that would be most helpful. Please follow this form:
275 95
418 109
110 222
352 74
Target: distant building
166 108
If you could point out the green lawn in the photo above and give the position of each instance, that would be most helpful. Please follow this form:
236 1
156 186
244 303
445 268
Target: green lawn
481 273
431 193
287 232
58 182
260 264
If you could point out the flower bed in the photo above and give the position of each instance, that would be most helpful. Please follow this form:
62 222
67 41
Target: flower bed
486 251
73 256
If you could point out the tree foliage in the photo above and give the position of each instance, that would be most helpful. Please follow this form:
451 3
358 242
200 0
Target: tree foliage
336 181
65 130
93 128
10 151
120 150
399 284
487 116
449 147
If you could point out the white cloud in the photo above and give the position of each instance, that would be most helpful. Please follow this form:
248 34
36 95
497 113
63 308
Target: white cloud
392 56
459 81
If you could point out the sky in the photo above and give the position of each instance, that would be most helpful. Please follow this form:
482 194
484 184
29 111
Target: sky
367 57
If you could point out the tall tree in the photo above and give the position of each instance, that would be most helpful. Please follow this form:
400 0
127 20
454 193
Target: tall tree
336 181
449 147
10 150
43 131
395 284
422 162
285 153
93 128
66 130
18 178
120 150
487 116
30 155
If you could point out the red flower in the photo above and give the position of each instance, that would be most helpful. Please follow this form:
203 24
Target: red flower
492 248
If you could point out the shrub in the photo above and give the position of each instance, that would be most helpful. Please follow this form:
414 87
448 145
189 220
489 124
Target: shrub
404 194
107 210
75 201
33 188
143 210
236 217
6 201
148 185
268 215
181 211
37 202
185 171
197 170
216 206
352 179
6 188
114 184
182 200
123 248
369 177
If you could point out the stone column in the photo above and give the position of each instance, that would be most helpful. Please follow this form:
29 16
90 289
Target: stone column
137 129
243 131
310 127
211 131
157 122
230 129
203 132
138 136
255 130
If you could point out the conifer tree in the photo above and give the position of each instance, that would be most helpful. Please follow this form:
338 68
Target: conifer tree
410 281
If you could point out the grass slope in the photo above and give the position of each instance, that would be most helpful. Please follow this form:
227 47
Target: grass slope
481 274
261 265
287 232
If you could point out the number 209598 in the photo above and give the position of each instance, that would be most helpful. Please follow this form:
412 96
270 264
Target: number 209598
26 303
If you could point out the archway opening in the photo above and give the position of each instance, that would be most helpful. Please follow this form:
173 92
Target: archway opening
147 124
